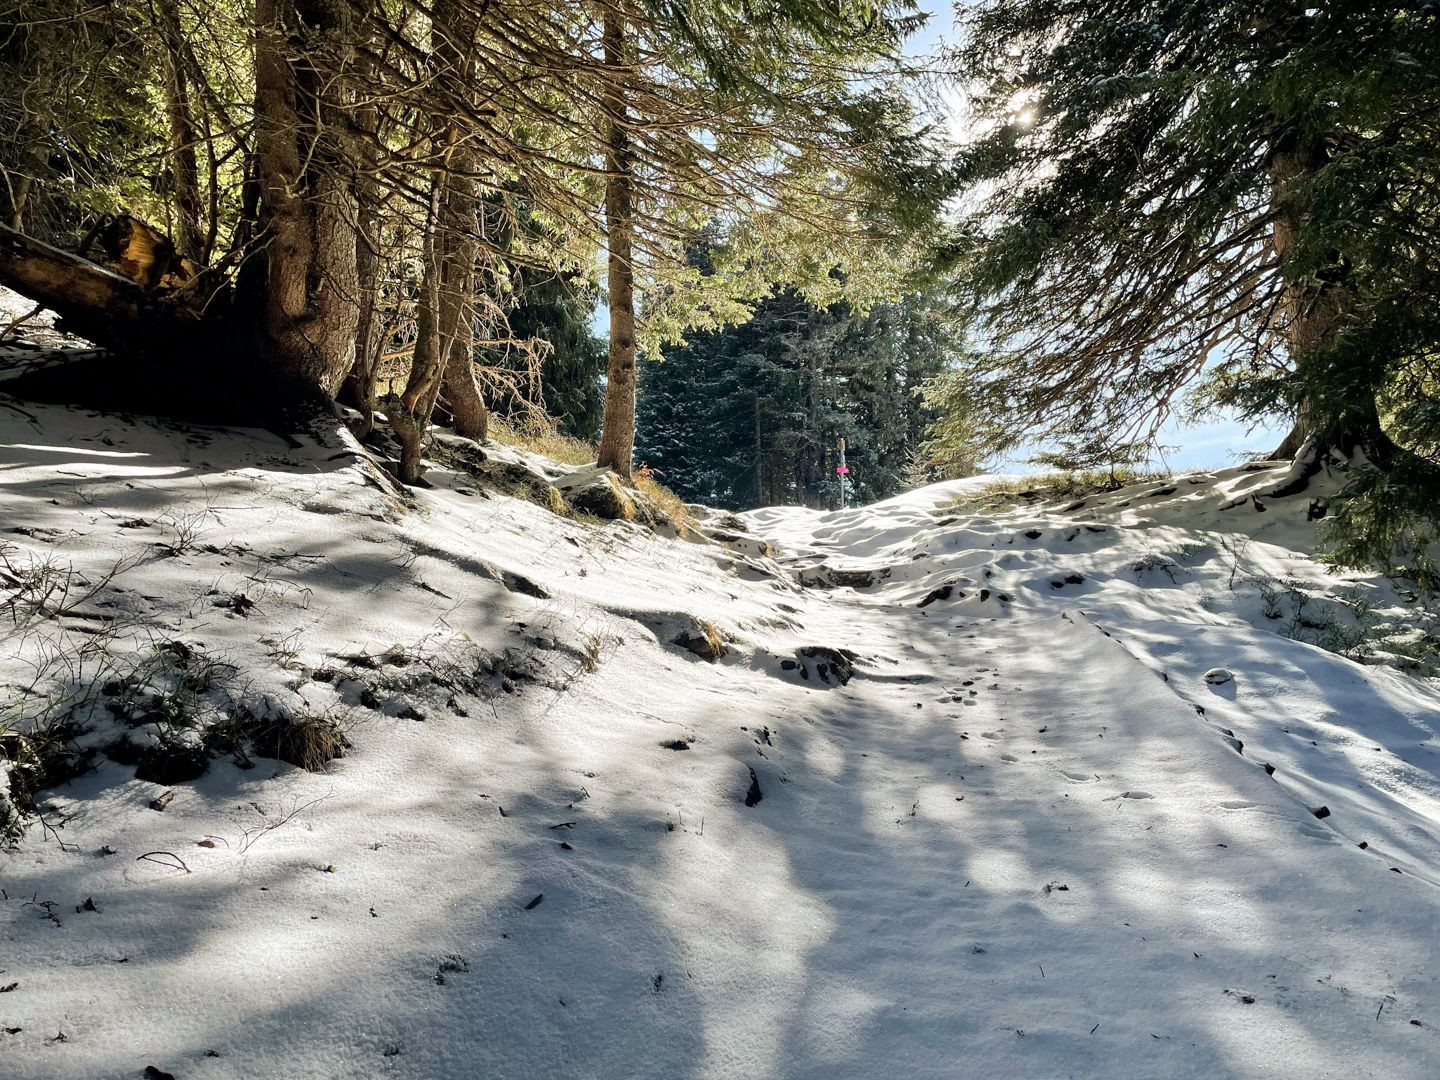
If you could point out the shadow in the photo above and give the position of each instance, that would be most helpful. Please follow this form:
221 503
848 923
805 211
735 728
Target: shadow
1005 847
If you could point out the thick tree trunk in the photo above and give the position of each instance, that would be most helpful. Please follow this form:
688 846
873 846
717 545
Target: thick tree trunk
617 434
462 390
368 266
310 314
1313 310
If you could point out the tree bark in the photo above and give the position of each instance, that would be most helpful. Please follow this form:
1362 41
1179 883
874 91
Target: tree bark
368 266
184 168
310 312
617 433
462 390
443 343
1313 310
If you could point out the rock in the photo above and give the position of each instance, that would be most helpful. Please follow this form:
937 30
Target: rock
521 584
1218 676
702 638
522 482
749 545
753 795
833 666
604 498
942 593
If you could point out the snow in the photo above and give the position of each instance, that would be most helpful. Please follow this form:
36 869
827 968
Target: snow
1026 839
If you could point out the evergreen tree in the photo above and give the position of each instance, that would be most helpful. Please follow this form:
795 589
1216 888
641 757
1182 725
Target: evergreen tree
1167 186
749 415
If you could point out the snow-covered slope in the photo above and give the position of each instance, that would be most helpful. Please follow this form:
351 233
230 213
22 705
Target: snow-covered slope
957 801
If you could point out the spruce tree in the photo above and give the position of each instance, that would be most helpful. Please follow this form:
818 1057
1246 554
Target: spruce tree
749 415
1165 188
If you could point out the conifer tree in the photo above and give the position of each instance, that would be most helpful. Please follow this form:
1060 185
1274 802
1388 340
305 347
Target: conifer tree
1166 188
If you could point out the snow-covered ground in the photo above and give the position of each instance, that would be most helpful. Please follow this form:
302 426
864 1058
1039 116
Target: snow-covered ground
1005 827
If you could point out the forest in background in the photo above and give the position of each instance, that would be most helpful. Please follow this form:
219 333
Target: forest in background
414 207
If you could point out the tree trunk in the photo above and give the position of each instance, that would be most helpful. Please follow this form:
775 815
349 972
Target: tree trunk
1313 310
19 191
444 340
617 434
462 390
109 308
310 316
184 167
368 265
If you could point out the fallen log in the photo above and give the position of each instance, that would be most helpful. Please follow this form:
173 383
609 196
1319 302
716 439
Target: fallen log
97 303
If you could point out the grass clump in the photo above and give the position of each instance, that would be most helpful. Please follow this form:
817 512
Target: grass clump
543 438
664 501
1054 486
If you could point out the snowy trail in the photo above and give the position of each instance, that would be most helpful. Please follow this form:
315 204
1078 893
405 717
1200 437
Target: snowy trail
1010 845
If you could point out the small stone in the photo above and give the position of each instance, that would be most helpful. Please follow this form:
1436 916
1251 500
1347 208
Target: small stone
1218 676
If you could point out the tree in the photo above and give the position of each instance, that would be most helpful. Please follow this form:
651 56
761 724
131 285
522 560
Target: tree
376 183
1168 188
749 415
310 319
745 115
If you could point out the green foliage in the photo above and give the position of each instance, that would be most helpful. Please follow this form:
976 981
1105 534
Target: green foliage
750 415
1388 519
77 116
1168 189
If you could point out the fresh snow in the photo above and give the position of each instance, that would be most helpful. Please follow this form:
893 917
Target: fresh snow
1027 838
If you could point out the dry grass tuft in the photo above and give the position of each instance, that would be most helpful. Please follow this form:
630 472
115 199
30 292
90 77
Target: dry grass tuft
665 500
1052 487
544 439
